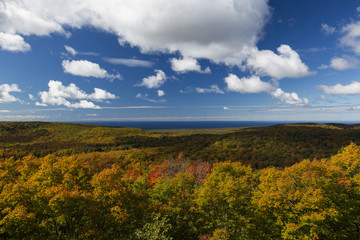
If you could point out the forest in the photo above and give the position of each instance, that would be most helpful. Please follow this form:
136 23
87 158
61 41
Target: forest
83 181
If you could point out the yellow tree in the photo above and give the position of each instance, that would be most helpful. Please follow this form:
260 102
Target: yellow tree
123 200
304 201
224 199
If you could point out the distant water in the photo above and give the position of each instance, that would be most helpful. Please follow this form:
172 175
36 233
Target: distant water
189 124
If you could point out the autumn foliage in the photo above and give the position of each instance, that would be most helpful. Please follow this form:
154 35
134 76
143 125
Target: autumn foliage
109 195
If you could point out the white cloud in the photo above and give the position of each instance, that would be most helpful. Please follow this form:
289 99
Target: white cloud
27 18
187 64
351 36
252 84
324 98
21 117
58 94
327 29
285 64
338 89
323 66
100 94
129 62
13 43
213 89
5 90
85 68
31 97
226 108
4 111
146 98
356 108
89 53
154 81
223 31
344 63
187 90
41 104
238 23
83 104
160 93
289 98
73 52
70 50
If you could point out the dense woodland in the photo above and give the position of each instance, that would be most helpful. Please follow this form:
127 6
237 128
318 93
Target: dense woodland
77 181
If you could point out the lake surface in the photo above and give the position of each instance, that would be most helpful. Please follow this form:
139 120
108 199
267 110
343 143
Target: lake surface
193 124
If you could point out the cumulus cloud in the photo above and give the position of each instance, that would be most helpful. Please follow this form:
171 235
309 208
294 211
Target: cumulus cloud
154 81
252 84
289 98
238 23
13 43
58 94
344 63
23 17
213 89
70 50
285 64
187 64
160 93
327 29
351 37
83 104
31 97
100 94
129 62
5 90
85 68
339 89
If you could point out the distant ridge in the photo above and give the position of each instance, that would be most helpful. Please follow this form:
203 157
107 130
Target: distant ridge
344 126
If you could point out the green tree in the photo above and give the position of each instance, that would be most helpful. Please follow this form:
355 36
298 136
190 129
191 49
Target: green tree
156 230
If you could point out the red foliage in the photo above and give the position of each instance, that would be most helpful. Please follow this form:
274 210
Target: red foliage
170 168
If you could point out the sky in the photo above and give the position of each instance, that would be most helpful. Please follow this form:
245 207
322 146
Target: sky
183 60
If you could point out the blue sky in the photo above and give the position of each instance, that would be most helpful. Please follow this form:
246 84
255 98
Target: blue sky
185 60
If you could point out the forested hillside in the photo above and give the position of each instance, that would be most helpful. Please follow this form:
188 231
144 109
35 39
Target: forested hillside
74 181
259 147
